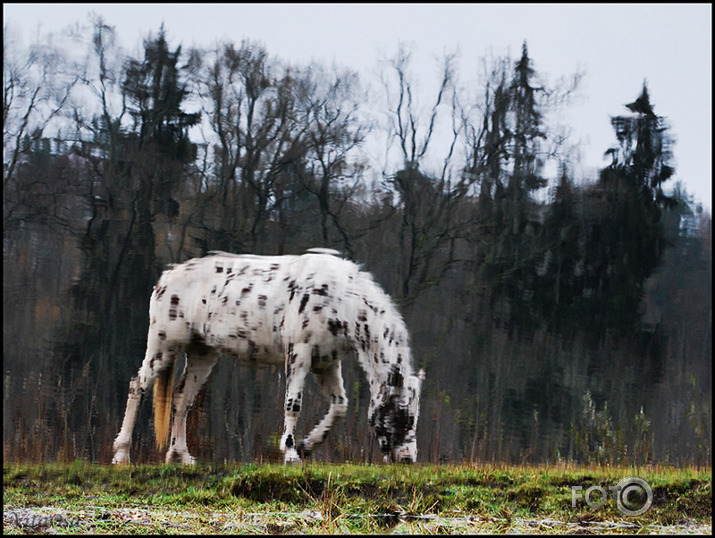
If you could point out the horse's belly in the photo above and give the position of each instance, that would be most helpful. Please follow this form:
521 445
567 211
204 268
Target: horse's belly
255 355
254 344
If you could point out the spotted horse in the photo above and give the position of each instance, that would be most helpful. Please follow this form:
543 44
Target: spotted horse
307 312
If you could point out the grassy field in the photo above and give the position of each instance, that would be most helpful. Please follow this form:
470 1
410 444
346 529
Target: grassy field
81 497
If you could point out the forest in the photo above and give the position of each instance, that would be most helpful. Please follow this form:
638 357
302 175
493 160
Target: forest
558 318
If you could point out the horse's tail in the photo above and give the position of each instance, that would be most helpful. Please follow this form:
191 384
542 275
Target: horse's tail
163 389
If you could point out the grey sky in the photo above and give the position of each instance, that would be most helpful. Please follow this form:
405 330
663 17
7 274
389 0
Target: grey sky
617 45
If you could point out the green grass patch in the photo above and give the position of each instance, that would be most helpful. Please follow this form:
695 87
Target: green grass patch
316 497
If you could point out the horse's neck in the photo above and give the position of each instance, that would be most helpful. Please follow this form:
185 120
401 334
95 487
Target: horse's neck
378 377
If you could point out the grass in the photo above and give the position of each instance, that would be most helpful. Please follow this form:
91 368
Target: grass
82 497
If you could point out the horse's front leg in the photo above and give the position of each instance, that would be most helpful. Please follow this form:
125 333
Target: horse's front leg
297 364
331 385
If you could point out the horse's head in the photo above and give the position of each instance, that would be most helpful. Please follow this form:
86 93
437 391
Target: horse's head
394 416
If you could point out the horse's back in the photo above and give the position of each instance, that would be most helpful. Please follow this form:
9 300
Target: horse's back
247 305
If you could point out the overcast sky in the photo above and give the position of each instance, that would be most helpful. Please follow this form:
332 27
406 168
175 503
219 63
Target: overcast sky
617 46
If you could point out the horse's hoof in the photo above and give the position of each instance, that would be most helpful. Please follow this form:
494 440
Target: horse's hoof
120 459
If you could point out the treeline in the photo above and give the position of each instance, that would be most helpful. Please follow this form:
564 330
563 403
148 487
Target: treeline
557 320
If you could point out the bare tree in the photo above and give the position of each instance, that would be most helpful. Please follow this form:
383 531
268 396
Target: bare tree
37 86
429 203
406 124
249 103
330 171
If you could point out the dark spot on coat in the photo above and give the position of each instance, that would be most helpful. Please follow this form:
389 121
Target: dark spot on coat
293 404
335 326
292 287
160 292
303 302
322 291
172 308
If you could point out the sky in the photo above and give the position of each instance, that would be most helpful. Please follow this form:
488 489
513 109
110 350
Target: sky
616 46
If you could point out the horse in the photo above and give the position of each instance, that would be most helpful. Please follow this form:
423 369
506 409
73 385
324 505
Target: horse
306 312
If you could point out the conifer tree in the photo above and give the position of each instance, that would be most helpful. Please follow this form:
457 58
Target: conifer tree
624 240
157 94
514 167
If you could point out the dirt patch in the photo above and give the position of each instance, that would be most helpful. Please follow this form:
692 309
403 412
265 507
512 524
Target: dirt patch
50 520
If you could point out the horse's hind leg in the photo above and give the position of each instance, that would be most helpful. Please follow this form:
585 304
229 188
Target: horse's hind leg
196 372
331 385
124 438
156 360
